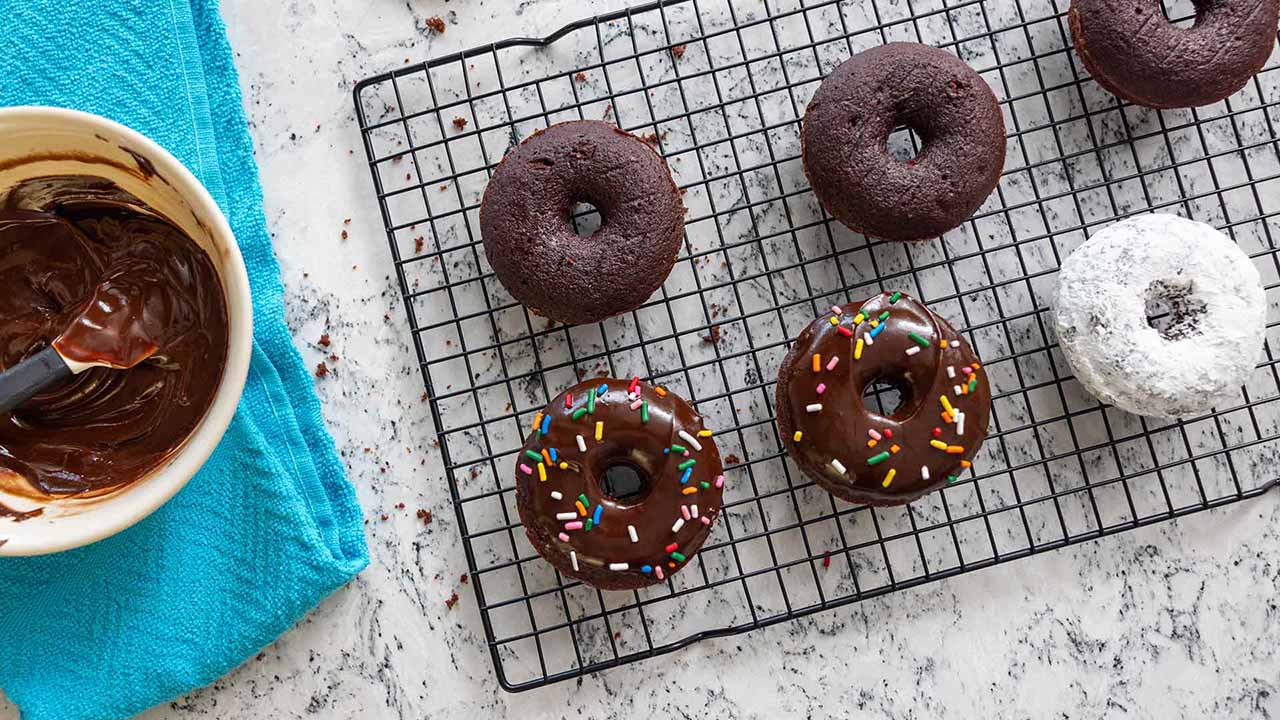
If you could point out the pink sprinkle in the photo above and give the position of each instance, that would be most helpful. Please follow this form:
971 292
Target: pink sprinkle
526 469
575 525
657 570
564 537
684 510
636 405
685 453
874 435
719 481
835 360
967 370
706 520
836 309
822 387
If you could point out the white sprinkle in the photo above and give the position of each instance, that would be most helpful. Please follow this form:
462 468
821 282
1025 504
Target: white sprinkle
573 558
955 342
633 396
839 466
619 566
956 388
555 495
679 524
870 340
582 444
960 425
566 515
693 510
815 407
924 472
951 371
631 530
693 441
913 349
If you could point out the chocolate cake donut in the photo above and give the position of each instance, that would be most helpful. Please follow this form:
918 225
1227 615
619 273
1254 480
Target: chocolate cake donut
1133 51
532 245
845 135
618 483
856 453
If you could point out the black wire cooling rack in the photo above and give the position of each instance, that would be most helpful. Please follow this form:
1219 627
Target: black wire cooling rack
719 87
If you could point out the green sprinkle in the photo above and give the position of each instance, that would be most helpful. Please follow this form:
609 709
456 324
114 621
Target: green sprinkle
591 403
895 298
921 341
973 384
677 556
884 315
533 456
644 411
679 448
583 498
875 459
952 478
587 525
579 413
704 484
687 464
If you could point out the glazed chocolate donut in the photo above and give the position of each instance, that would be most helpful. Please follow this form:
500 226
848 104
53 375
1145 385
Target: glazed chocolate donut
862 456
845 135
529 238
618 483
1133 51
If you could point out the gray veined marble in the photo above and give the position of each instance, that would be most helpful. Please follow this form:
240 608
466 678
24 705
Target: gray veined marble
1175 620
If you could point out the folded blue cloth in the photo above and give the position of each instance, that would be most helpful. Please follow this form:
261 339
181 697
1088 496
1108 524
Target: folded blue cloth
270 526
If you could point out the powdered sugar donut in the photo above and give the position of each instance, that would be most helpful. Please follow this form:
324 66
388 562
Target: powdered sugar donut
1212 337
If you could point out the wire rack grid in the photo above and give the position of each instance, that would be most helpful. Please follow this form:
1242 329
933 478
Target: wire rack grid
719 87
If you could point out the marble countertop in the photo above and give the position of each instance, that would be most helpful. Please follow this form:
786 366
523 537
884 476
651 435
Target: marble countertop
1178 619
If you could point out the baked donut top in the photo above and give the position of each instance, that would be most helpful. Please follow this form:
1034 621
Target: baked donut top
858 453
618 482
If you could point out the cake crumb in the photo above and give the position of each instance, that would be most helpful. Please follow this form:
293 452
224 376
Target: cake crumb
418 244
731 459
459 122
679 50
424 515
344 235
580 77
324 340
713 335
399 506
436 23
322 370
463 579
453 600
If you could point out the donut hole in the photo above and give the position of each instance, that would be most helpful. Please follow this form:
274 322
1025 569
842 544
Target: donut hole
886 396
904 144
1172 308
1185 13
585 218
623 482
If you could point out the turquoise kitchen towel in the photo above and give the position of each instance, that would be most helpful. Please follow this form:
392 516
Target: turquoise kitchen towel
270 526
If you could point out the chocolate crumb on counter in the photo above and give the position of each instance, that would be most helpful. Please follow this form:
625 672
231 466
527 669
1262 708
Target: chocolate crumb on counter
713 335
418 243
344 235
385 517
346 221
425 516
453 600
459 122
731 459
322 370
399 506
436 23
324 340
464 578
580 77
679 50
333 358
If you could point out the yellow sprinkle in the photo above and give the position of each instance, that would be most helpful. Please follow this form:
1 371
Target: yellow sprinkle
859 318
946 404
875 323
704 433
564 465
888 478
857 350
817 362
599 430
797 436
938 444
537 422
689 490
834 320
894 449
955 449
943 344
542 472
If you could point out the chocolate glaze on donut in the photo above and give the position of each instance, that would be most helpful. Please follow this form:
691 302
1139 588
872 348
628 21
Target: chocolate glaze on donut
532 245
860 455
846 132
650 475
1133 51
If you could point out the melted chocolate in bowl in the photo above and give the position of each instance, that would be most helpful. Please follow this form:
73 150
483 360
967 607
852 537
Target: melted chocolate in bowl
90 268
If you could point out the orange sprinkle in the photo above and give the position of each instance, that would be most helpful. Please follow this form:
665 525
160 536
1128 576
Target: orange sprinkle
689 490
662 392
871 443
894 449
975 364
817 362
547 456
946 417
966 464
582 510
954 449
943 344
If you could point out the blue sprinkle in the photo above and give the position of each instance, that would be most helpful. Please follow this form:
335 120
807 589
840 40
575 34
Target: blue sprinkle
602 390
546 424
553 454
646 569
666 451
687 472
876 330
595 519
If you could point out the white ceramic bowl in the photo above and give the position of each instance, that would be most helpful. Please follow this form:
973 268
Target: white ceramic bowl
36 141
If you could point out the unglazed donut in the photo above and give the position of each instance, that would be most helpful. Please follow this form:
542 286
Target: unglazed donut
535 251
1218 308
860 455
618 483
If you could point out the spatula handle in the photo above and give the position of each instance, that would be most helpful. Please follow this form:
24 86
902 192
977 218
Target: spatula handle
28 378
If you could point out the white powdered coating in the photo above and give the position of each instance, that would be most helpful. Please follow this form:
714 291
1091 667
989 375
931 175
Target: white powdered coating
1101 320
